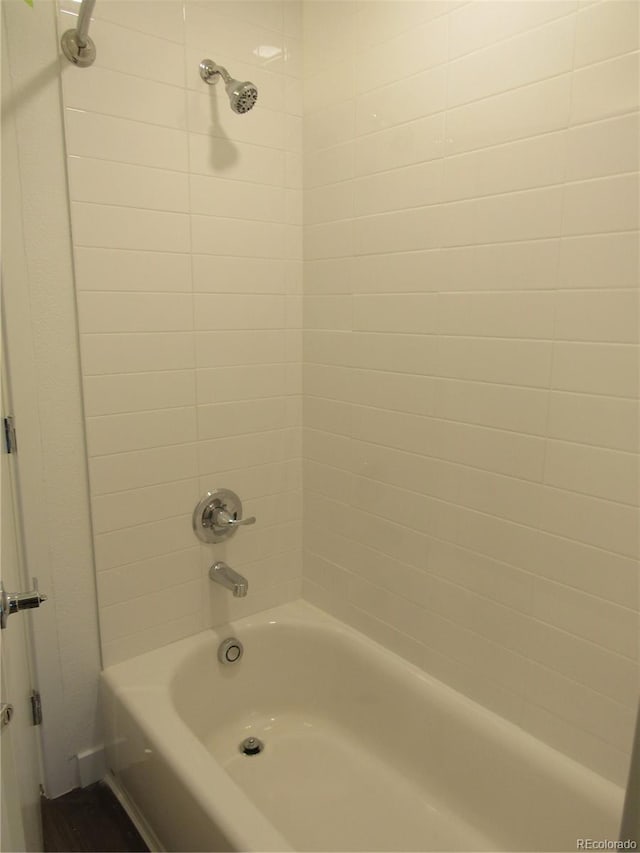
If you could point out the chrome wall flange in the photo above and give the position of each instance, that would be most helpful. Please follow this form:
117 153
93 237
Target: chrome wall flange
218 515
79 54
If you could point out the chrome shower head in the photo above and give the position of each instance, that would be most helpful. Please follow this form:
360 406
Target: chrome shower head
242 95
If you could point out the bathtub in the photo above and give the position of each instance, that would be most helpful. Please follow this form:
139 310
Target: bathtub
362 751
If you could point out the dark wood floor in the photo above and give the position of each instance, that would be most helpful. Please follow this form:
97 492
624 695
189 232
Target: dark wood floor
90 820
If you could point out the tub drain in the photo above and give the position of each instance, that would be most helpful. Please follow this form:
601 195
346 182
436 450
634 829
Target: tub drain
251 746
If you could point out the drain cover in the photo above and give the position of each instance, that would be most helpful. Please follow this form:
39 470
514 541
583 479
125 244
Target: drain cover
251 746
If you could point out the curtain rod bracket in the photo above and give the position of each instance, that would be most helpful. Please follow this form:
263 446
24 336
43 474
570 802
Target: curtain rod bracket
76 44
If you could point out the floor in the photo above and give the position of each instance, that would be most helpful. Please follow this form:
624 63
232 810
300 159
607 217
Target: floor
90 820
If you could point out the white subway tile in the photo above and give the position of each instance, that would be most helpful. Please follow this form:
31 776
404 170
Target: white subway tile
329 165
398 103
477 25
218 420
501 315
409 53
129 50
586 709
593 521
481 574
236 199
599 260
107 137
328 312
102 226
169 631
596 471
135 312
405 313
124 96
582 660
529 215
609 316
327 203
238 311
219 157
220 348
126 269
501 406
510 453
143 506
105 182
414 186
237 237
208 113
606 89
220 274
603 148
530 265
605 204
521 165
140 430
512 362
133 392
575 742
401 231
595 369
160 18
121 471
332 126
136 579
137 352
230 452
535 55
606 421
379 21
230 384
606 30
393 147
139 614
242 38
519 114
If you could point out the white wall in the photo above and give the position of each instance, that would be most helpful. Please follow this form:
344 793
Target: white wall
471 363
186 223
41 336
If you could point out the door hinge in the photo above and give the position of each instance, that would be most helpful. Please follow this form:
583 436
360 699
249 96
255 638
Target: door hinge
10 437
36 708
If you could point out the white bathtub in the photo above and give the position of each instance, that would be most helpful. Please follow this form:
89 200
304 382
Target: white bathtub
362 751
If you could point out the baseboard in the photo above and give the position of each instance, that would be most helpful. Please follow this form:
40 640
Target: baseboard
92 766
148 835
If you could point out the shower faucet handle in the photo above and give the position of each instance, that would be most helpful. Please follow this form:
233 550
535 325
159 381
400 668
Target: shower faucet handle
218 515
223 518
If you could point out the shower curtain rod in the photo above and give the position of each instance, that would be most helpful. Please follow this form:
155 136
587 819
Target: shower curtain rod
76 44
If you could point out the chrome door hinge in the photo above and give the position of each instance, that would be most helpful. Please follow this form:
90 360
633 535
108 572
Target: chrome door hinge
10 438
6 714
36 708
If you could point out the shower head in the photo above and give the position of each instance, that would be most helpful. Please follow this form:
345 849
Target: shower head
242 95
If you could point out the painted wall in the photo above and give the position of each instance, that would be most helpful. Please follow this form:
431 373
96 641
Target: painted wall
41 337
187 242
470 350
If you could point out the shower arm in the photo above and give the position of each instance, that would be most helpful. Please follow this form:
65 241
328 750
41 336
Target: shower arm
84 18
209 69
76 44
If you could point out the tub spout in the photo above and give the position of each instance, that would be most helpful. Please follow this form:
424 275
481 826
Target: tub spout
223 574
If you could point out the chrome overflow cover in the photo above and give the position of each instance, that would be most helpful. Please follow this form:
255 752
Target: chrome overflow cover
251 746
230 650
218 515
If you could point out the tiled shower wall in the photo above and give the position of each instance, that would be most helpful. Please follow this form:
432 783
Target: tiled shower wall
470 358
187 242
